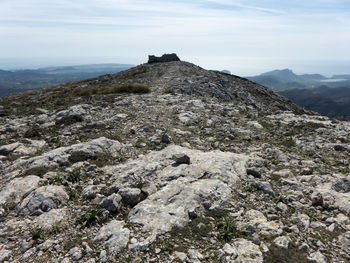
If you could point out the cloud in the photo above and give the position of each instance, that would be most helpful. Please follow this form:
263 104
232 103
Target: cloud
217 30
245 6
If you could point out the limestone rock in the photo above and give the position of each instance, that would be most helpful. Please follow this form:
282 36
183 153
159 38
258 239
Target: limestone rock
18 188
169 207
112 202
247 252
282 242
60 156
130 196
43 200
317 257
54 217
23 147
254 220
114 235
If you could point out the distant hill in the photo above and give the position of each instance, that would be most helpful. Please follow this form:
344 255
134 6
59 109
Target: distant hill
327 96
332 102
23 80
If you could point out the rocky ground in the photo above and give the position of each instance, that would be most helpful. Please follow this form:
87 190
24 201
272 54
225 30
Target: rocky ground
207 167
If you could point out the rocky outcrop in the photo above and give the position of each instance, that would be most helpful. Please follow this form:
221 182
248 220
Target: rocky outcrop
18 188
163 58
114 235
43 200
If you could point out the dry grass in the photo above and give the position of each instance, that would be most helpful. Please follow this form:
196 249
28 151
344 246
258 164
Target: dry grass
125 88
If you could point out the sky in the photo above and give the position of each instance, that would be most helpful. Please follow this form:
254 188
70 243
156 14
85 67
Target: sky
245 37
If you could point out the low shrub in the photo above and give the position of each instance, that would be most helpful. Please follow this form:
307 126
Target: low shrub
75 176
227 229
71 119
34 132
36 233
91 217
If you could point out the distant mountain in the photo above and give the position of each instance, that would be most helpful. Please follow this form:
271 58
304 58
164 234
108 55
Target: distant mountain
286 79
284 75
23 80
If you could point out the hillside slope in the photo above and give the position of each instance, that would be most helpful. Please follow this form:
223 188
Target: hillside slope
331 102
170 163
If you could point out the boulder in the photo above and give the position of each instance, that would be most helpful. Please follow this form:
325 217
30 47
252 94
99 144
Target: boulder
130 196
282 242
43 200
61 156
18 188
112 202
169 207
55 217
114 235
246 252
23 147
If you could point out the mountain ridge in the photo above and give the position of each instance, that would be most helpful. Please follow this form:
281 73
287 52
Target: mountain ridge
170 163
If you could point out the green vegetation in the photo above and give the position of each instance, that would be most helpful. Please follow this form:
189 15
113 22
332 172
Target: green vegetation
39 171
72 194
124 88
56 229
34 132
290 255
251 189
71 119
311 214
91 217
78 156
56 180
282 199
36 233
227 229
75 175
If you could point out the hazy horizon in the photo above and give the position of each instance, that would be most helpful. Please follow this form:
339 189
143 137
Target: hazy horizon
326 68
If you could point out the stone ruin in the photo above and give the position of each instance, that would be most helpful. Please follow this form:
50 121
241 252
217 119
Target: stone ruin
164 58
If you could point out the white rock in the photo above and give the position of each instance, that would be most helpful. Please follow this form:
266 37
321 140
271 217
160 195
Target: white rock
255 124
90 191
247 252
180 257
16 189
60 156
230 250
5 255
55 217
169 207
42 200
317 257
282 242
114 235
75 253
301 220
23 147
258 221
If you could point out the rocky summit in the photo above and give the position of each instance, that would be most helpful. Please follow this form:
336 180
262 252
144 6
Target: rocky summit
169 162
